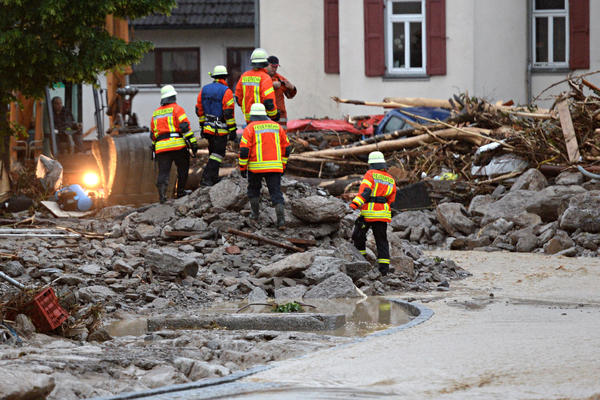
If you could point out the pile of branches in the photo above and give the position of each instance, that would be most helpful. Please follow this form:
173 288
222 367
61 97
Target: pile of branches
431 148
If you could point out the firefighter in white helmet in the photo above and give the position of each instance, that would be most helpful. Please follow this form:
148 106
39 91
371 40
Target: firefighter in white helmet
264 151
256 86
215 110
171 137
375 196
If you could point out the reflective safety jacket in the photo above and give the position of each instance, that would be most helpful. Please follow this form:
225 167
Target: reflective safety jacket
264 147
280 94
376 194
168 128
256 86
215 108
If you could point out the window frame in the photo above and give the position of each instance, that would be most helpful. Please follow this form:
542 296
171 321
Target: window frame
390 19
158 67
549 15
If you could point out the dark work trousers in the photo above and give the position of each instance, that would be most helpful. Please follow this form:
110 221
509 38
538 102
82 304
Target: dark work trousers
273 180
182 161
216 153
359 236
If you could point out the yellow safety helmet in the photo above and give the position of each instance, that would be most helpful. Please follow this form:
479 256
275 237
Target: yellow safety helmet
167 91
219 70
258 109
259 56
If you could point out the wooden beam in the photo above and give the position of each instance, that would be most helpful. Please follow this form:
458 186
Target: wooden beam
568 132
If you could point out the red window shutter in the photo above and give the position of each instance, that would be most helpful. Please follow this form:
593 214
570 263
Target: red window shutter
374 38
332 37
579 34
436 37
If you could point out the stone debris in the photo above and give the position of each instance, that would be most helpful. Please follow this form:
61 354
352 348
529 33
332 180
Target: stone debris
179 257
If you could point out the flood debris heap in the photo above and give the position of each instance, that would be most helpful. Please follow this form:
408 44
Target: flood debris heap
491 177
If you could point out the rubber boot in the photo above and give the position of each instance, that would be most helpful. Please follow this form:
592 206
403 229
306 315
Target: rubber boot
280 212
205 180
384 269
162 193
255 207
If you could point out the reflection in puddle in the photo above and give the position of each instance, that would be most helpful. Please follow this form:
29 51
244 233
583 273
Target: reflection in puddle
363 316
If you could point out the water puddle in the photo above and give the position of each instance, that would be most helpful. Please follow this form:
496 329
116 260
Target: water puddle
363 316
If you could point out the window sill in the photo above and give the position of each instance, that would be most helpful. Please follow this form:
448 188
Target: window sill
406 77
144 87
550 70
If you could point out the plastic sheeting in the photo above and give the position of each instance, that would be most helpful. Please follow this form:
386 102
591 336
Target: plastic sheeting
361 127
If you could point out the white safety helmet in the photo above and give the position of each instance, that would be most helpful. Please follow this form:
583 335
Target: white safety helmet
258 109
167 91
376 159
259 56
219 70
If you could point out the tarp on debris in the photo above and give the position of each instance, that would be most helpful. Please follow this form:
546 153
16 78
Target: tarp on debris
360 127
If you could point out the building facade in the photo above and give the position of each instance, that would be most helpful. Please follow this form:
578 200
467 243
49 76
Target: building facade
372 49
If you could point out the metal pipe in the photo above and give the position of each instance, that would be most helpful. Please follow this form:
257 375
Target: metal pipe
256 23
51 122
587 173
528 83
11 281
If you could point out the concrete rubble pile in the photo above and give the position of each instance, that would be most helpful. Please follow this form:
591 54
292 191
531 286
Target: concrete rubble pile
179 257
530 215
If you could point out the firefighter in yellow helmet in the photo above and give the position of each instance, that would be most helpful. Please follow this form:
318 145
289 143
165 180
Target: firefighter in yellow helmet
171 137
375 196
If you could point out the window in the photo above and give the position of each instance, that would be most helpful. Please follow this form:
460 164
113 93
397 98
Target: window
238 62
405 36
168 66
550 33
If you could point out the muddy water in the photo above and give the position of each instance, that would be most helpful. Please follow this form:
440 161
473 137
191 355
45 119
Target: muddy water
363 316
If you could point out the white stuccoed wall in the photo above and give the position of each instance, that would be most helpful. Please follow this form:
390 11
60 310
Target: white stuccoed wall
293 31
486 55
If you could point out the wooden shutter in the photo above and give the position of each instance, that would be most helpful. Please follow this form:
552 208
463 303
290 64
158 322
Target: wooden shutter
436 37
374 38
579 34
332 37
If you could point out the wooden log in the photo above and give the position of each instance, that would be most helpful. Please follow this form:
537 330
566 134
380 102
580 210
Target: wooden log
369 103
264 239
419 102
568 132
472 135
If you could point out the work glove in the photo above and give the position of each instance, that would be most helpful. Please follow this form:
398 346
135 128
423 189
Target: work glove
194 148
232 136
244 173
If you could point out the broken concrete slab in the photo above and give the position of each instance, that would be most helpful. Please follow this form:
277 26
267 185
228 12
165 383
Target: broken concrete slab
251 321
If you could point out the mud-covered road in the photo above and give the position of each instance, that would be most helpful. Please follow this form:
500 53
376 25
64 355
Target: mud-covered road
524 326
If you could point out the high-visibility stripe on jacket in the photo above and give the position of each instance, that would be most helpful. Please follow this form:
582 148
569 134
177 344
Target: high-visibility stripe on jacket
376 193
255 86
164 126
214 99
280 94
264 147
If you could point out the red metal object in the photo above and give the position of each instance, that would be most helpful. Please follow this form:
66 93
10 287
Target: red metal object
45 312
